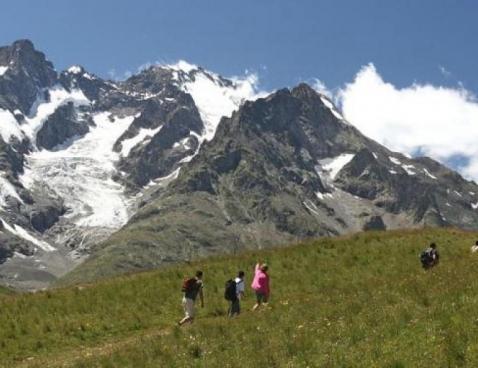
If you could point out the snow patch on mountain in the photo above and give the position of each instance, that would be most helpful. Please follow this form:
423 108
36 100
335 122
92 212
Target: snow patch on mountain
408 168
3 70
22 233
183 142
42 109
82 174
189 158
332 166
165 180
322 196
9 126
183 66
311 207
214 98
7 190
395 160
75 69
331 107
427 173
128 144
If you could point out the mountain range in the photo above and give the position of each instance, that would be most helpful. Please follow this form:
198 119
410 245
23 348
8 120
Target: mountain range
100 177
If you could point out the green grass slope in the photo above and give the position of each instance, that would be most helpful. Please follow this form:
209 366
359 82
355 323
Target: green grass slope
357 301
5 291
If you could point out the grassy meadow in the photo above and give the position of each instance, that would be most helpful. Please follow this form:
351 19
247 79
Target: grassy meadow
5 291
355 301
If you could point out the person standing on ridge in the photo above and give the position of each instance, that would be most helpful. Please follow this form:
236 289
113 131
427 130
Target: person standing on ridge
191 288
260 284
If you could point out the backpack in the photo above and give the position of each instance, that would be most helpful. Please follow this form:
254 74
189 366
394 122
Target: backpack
188 284
426 257
230 290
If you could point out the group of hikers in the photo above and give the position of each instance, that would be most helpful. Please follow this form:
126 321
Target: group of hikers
234 292
235 289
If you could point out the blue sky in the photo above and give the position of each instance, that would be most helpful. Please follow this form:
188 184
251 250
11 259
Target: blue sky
284 41
403 71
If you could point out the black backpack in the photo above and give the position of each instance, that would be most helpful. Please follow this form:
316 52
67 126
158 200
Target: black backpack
426 257
230 290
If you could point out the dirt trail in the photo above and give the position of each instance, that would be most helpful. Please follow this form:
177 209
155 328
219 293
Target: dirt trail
69 357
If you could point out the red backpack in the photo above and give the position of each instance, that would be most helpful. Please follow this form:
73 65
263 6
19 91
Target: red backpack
188 284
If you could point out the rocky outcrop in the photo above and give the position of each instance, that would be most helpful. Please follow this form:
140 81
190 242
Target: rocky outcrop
27 74
64 124
374 223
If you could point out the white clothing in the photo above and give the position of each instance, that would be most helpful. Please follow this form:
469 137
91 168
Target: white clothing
188 305
239 286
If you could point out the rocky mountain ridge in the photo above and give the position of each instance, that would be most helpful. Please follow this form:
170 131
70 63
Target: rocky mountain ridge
283 168
177 162
77 152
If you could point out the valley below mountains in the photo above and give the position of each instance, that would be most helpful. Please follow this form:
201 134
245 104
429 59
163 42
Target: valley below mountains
101 177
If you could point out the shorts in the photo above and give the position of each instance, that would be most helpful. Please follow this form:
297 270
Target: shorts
188 305
261 297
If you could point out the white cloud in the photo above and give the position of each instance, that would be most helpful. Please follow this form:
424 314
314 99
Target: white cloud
320 87
436 121
112 73
444 71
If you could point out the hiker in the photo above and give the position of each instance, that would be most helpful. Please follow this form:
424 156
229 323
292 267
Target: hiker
430 257
191 288
474 248
260 284
234 293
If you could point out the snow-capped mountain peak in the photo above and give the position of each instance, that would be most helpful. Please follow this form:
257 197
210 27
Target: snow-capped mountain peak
82 157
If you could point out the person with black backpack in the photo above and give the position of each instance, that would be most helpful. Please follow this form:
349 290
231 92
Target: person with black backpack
430 257
233 293
192 287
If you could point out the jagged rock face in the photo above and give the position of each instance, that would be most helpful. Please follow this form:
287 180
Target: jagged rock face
374 223
420 187
94 88
11 160
65 123
11 244
44 216
28 72
175 121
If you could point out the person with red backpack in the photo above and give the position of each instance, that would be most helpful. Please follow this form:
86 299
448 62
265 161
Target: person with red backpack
192 287
260 284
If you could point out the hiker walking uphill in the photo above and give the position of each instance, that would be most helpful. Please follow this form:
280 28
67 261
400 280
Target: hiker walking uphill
430 257
260 284
234 292
192 287
474 248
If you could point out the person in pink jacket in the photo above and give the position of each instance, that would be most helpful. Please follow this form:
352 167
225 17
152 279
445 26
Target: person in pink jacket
260 284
